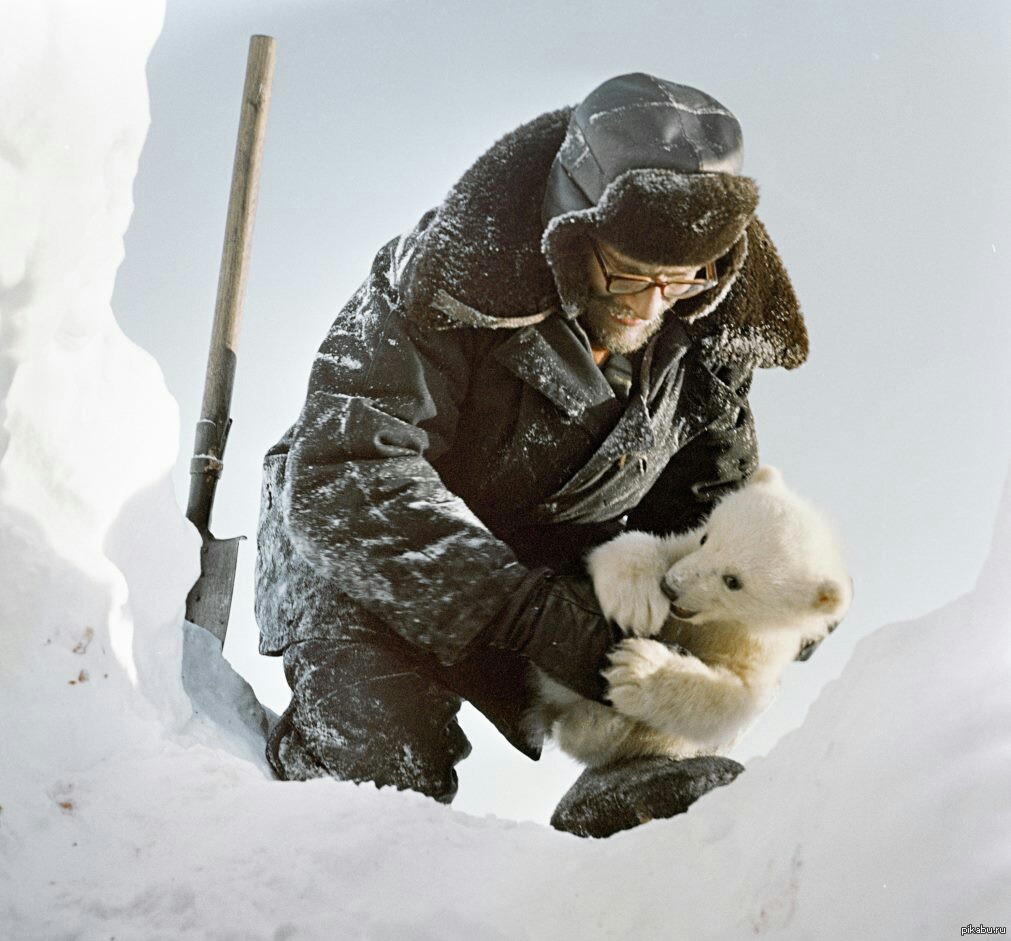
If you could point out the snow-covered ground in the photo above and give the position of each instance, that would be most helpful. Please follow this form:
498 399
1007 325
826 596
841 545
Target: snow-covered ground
125 815
883 181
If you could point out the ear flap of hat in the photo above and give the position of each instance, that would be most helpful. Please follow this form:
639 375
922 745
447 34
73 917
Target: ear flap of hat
760 320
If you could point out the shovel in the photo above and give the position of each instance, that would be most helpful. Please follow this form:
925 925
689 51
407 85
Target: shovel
210 599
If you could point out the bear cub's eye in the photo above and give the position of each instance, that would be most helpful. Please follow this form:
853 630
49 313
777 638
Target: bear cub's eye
702 541
732 582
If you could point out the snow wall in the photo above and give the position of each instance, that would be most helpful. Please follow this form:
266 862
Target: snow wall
124 815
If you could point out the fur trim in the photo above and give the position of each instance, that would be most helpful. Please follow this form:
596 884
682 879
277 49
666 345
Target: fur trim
667 218
483 247
759 322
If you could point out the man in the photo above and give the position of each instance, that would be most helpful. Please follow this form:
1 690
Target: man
561 350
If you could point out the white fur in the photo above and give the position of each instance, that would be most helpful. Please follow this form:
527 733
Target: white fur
731 645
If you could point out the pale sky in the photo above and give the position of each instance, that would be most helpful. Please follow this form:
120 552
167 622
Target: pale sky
878 133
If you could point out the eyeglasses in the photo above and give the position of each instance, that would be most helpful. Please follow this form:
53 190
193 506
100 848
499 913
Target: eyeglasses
672 289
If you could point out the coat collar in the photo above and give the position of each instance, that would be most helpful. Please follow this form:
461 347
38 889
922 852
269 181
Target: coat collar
554 359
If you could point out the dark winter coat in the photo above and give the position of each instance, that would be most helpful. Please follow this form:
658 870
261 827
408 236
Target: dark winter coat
454 435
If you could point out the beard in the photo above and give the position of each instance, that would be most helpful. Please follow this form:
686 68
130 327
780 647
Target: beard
605 332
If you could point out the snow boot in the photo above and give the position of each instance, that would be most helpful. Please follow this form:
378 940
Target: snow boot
624 794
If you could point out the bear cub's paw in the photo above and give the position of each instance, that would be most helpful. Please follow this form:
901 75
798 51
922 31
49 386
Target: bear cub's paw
639 668
627 573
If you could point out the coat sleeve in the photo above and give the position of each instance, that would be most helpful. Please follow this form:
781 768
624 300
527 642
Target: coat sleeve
362 503
711 463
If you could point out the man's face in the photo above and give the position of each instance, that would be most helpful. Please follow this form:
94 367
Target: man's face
623 323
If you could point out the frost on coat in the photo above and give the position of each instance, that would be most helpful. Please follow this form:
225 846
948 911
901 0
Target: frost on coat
367 516
457 432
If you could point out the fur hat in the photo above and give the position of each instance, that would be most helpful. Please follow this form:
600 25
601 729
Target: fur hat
652 169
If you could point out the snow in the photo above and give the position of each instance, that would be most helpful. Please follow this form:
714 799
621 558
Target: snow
341 362
128 812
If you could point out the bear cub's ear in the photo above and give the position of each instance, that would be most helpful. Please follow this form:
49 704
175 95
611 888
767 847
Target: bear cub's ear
767 474
829 597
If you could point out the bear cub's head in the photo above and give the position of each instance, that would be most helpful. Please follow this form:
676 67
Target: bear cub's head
767 560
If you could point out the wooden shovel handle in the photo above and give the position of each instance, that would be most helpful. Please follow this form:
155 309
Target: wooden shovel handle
212 429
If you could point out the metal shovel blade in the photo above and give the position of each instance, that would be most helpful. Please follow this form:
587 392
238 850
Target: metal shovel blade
210 598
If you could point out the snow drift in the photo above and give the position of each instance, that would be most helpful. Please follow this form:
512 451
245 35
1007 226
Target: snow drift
124 815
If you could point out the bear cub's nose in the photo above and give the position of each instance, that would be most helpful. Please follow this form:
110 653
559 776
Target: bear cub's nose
669 590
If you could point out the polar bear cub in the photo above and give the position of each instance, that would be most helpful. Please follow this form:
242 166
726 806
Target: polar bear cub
729 606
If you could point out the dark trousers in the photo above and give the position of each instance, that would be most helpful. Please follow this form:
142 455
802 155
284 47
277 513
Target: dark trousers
362 710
